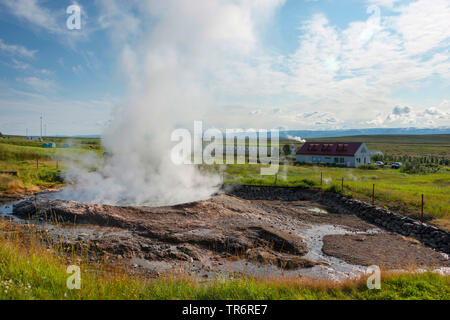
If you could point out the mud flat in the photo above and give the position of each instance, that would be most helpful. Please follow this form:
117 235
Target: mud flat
231 233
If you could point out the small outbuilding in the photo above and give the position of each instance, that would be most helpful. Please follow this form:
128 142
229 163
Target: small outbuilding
34 138
49 145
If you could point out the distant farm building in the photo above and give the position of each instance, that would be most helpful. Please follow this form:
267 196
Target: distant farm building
348 154
34 138
376 153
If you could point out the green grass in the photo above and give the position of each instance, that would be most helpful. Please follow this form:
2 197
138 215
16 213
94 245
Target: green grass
18 154
29 271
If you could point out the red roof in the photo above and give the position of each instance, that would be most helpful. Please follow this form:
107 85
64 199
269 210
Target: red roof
330 148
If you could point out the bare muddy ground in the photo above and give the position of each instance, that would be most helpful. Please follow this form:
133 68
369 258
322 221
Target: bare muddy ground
386 250
227 234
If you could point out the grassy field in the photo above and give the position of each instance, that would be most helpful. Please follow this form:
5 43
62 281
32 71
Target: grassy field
38 168
29 270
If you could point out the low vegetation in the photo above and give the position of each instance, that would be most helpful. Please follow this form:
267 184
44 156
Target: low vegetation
36 167
30 270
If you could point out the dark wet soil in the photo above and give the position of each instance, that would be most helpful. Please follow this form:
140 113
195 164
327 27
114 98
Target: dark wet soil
384 249
202 237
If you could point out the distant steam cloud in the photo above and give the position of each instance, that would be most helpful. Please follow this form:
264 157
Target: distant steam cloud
298 139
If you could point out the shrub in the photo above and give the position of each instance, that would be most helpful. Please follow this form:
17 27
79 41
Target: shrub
333 188
308 182
49 176
368 167
377 157
415 168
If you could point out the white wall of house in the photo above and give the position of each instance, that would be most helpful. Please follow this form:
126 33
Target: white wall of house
321 159
34 138
362 156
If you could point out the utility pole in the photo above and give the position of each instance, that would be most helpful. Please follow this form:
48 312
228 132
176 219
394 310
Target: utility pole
41 125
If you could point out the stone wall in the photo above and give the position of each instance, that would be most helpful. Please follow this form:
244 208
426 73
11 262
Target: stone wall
429 235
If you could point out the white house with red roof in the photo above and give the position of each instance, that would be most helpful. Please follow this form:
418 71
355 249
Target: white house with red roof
347 154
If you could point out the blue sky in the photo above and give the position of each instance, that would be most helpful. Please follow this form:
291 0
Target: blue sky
296 64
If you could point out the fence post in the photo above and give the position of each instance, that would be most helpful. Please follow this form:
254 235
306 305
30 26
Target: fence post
373 194
276 178
321 178
342 184
37 161
421 215
57 164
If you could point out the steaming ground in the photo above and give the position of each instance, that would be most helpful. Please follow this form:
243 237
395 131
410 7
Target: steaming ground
121 184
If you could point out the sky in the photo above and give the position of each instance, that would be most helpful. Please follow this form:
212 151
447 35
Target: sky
290 64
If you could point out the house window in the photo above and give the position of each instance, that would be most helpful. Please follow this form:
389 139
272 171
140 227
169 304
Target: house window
342 160
336 160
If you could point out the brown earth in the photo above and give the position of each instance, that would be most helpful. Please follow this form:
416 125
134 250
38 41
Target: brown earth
386 250
203 236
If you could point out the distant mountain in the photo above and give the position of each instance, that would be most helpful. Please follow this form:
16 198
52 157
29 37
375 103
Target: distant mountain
93 136
305 134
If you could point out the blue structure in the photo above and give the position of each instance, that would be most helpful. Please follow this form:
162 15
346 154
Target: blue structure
49 145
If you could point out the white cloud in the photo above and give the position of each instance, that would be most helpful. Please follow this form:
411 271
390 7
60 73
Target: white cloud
16 50
383 3
39 17
32 12
407 116
39 84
